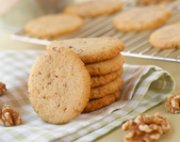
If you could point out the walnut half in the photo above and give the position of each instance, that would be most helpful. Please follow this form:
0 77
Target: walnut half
173 104
145 128
2 88
9 117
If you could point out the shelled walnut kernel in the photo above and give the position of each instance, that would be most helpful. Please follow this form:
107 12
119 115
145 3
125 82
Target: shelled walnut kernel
9 117
173 104
145 128
2 88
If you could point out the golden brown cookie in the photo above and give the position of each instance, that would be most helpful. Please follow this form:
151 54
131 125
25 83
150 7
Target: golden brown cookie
96 104
149 2
51 26
105 67
91 50
101 91
59 86
149 17
104 79
95 8
166 37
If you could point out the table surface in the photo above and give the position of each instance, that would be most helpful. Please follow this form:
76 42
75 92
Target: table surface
117 134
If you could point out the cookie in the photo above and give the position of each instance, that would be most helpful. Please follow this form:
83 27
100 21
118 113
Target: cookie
96 104
51 26
149 17
101 91
59 86
91 50
94 8
166 37
149 2
105 67
104 79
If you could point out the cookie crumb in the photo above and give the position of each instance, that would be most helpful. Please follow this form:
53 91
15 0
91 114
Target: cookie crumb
9 117
173 104
2 88
146 128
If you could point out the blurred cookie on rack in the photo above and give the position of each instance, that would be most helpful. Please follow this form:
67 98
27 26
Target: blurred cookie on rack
166 37
95 8
150 2
51 26
141 18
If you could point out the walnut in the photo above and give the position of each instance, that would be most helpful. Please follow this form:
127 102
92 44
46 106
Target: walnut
173 104
9 117
2 88
145 128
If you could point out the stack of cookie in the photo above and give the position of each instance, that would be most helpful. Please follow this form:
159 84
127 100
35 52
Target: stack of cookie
104 62
75 76
106 82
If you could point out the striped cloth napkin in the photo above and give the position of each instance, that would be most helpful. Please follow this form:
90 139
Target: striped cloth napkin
144 87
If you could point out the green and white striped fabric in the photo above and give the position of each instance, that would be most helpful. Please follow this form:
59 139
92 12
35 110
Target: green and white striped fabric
144 87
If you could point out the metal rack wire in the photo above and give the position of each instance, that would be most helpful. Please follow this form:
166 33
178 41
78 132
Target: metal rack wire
137 44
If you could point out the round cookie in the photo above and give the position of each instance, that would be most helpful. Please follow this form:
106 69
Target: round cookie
91 50
149 2
101 91
105 67
95 8
166 37
51 26
59 86
149 17
104 79
96 104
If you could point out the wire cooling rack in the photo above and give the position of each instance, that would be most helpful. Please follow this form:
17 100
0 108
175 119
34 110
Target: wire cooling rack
137 44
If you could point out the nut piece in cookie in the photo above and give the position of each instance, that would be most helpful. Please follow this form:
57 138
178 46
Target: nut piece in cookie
91 50
59 86
95 8
149 17
9 117
166 37
146 128
173 104
51 26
